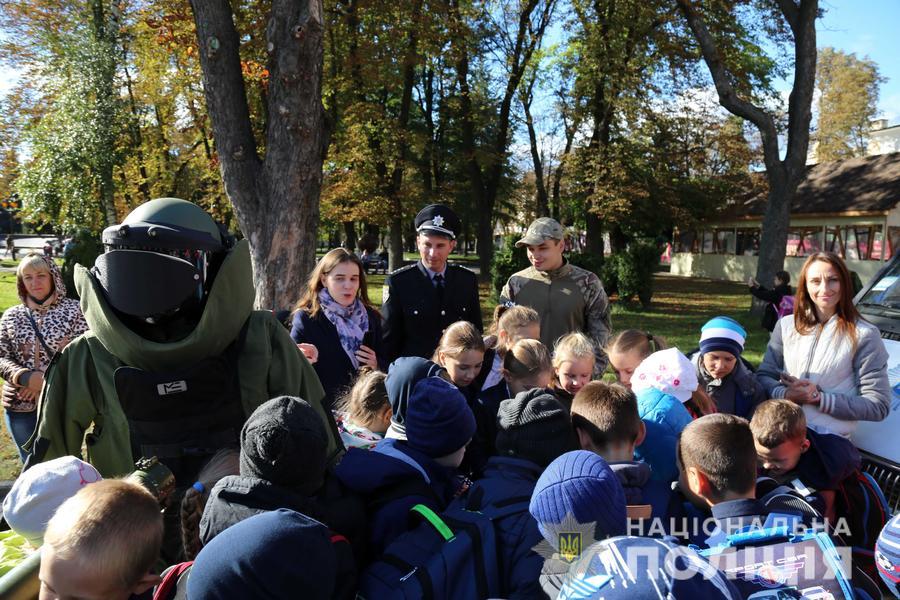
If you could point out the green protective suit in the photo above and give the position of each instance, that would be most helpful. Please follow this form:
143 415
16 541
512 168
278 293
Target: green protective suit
80 396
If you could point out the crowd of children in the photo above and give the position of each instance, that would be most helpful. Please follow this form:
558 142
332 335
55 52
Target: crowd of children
586 488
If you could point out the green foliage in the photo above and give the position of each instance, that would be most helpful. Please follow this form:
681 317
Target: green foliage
606 267
86 249
654 155
110 109
587 260
609 274
68 182
507 260
635 272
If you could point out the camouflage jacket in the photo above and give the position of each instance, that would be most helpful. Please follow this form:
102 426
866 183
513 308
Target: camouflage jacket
568 299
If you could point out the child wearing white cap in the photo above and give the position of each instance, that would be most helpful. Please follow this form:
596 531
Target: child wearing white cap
40 490
33 499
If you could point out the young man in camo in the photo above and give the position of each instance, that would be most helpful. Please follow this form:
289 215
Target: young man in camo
567 297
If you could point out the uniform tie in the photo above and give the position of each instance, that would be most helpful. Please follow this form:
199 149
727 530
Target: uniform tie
439 286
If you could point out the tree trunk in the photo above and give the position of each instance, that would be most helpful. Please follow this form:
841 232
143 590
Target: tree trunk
395 243
542 208
107 194
135 129
618 241
395 256
485 183
784 176
428 149
775 225
593 243
105 33
556 203
349 236
276 200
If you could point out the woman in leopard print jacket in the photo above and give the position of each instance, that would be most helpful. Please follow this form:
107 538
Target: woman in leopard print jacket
25 353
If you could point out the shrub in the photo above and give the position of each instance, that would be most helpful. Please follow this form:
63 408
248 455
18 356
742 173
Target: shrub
507 260
604 267
609 274
84 251
635 270
587 260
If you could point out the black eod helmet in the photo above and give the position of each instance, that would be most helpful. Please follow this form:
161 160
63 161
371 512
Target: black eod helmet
162 258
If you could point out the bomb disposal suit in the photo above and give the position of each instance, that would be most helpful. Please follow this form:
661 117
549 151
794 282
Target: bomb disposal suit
176 358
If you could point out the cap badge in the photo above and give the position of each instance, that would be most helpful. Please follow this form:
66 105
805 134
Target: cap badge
438 221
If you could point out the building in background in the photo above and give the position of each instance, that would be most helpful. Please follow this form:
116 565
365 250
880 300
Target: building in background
850 207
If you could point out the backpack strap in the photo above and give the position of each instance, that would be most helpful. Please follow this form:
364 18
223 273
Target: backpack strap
434 520
409 570
166 589
486 367
499 509
792 498
414 486
803 489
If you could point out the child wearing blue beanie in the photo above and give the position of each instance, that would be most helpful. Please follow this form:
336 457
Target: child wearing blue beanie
577 500
721 372
420 469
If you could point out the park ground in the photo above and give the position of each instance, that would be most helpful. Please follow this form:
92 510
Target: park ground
680 307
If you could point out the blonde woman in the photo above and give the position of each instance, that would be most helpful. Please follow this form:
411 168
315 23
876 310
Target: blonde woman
30 334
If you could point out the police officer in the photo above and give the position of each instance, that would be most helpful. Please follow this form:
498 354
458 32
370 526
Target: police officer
422 299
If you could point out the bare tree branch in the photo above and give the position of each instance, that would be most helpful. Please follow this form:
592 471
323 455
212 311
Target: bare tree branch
728 96
791 13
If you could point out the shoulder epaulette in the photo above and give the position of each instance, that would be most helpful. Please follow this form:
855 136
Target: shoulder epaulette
402 269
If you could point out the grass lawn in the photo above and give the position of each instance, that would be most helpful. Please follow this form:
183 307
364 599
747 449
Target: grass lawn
680 307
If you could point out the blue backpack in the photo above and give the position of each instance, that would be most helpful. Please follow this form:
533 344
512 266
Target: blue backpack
778 557
859 505
447 557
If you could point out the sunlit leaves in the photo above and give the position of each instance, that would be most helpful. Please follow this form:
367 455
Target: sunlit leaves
848 101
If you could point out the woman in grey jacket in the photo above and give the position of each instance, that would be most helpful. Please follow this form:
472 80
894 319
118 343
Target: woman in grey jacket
825 356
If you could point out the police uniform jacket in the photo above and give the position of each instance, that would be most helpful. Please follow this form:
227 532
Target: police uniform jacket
415 316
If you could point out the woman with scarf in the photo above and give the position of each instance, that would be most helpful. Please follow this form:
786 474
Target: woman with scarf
30 334
335 323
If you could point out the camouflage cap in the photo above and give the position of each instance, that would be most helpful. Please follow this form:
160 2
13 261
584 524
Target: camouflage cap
540 230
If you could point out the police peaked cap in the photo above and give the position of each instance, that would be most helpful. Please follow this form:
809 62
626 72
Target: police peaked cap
438 218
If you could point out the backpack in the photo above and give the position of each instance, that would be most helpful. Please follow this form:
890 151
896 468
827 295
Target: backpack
775 562
784 307
861 503
861 511
446 557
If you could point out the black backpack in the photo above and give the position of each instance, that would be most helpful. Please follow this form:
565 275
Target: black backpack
449 556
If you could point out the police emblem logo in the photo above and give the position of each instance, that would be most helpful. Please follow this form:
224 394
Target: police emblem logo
569 545
438 221
571 537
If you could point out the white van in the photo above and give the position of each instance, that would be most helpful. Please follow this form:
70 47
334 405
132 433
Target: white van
879 303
